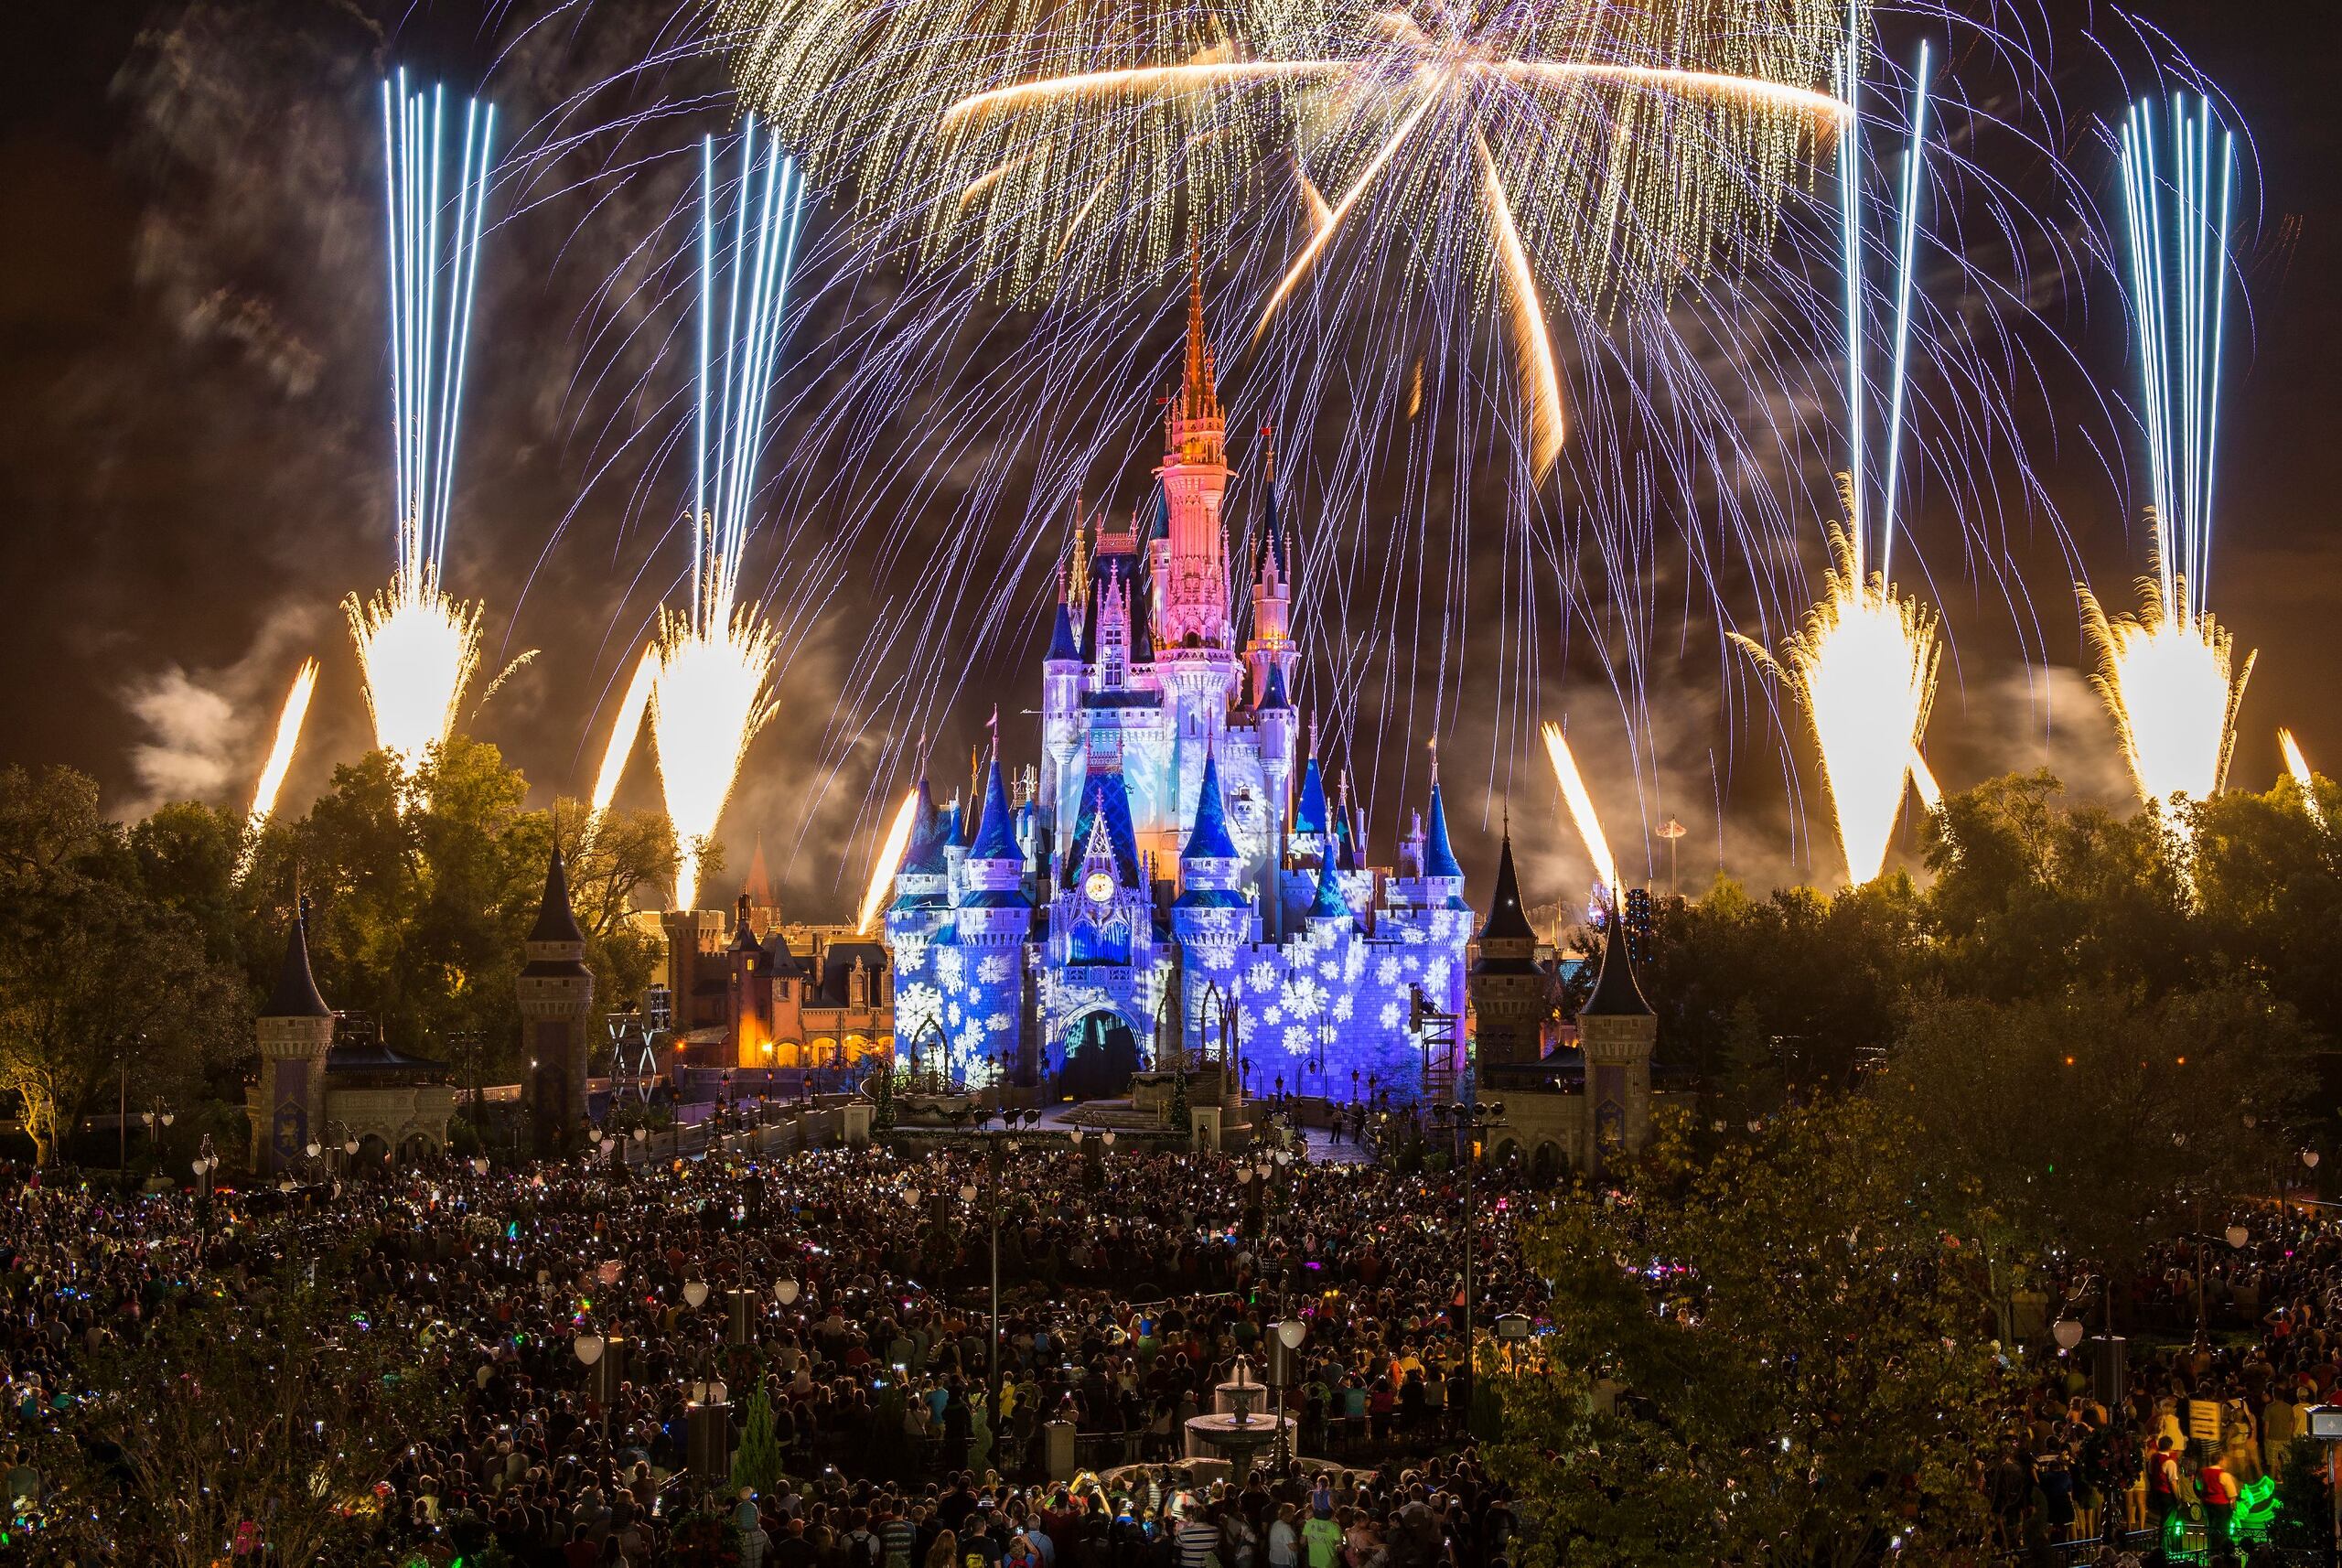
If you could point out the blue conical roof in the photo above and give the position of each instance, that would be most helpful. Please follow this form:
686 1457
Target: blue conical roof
1275 697
1439 855
996 830
1271 535
1330 901
1342 841
1209 840
1061 642
925 854
1309 813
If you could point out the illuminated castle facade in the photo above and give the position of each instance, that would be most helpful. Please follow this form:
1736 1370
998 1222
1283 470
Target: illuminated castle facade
1175 870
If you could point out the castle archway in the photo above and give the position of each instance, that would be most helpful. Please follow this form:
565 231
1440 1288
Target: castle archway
1101 1054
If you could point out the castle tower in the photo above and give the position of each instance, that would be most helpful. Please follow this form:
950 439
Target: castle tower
1618 1030
556 993
1191 560
295 1031
1270 647
751 979
1507 988
1060 706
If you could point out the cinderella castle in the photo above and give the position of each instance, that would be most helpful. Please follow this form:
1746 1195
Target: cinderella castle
1177 872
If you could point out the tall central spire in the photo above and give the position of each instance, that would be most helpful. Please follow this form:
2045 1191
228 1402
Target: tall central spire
1198 432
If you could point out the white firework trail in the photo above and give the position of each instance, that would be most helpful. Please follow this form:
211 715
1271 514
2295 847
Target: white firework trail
713 689
417 647
289 720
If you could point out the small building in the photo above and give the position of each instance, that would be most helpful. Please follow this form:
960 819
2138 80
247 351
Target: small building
804 997
323 1086
1577 1106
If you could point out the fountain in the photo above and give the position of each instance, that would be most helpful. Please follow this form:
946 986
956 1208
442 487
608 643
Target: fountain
1232 1435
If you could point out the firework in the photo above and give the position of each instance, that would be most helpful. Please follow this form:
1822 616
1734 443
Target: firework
1593 151
890 856
1864 671
417 647
2298 765
628 729
1580 802
713 690
280 762
2169 675
1923 779
1864 668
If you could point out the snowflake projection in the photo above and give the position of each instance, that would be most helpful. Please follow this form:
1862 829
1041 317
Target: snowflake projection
1217 958
971 1063
1353 965
1271 1016
1391 1014
1436 975
1302 997
917 1006
1261 978
995 969
1344 1005
1000 1023
951 970
1386 971
910 951
1331 969
952 1014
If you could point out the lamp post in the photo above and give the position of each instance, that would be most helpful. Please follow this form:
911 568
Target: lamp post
1471 1121
996 1142
1290 1333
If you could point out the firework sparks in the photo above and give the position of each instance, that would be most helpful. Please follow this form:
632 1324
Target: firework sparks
1864 668
417 647
1580 802
1607 151
2298 765
629 728
2169 675
280 762
1923 779
712 691
1865 672
889 858
2172 684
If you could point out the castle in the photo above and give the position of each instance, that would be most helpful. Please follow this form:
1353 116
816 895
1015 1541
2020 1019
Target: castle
1176 873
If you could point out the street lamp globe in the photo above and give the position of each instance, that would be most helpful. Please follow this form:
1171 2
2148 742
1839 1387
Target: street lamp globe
784 1291
694 1293
316 1148
1292 1332
589 1347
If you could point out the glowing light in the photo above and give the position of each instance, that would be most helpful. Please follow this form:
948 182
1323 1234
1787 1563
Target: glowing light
713 695
1923 779
1609 151
2298 765
418 649
889 858
1864 670
280 762
2173 686
712 691
1580 802
623 734
417 652
2169 675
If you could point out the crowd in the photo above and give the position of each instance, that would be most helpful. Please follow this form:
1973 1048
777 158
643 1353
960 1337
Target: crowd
2246 1336
845 1296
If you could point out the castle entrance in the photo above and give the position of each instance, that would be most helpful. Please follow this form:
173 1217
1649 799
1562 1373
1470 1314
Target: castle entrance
1101 1054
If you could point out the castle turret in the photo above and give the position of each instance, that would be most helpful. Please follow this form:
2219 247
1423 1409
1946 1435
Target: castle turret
1507 988
1060 705
556 994
1270 647
1311 840
1617 1031
295 1030
1191 581
751 980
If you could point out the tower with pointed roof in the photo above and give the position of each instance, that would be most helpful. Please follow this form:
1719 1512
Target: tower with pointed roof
1507 983
1617 1031
555 990
295 1028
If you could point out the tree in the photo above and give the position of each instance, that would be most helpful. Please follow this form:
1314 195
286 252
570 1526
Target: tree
261 1419
97 979
756 1464
1766 1355
2088 1120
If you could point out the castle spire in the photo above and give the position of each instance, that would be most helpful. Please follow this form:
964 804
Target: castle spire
1197 432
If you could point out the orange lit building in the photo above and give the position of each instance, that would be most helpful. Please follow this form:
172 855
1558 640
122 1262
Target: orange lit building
830 1006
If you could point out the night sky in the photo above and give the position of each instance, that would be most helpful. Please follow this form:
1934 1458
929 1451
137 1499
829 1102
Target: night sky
193 453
